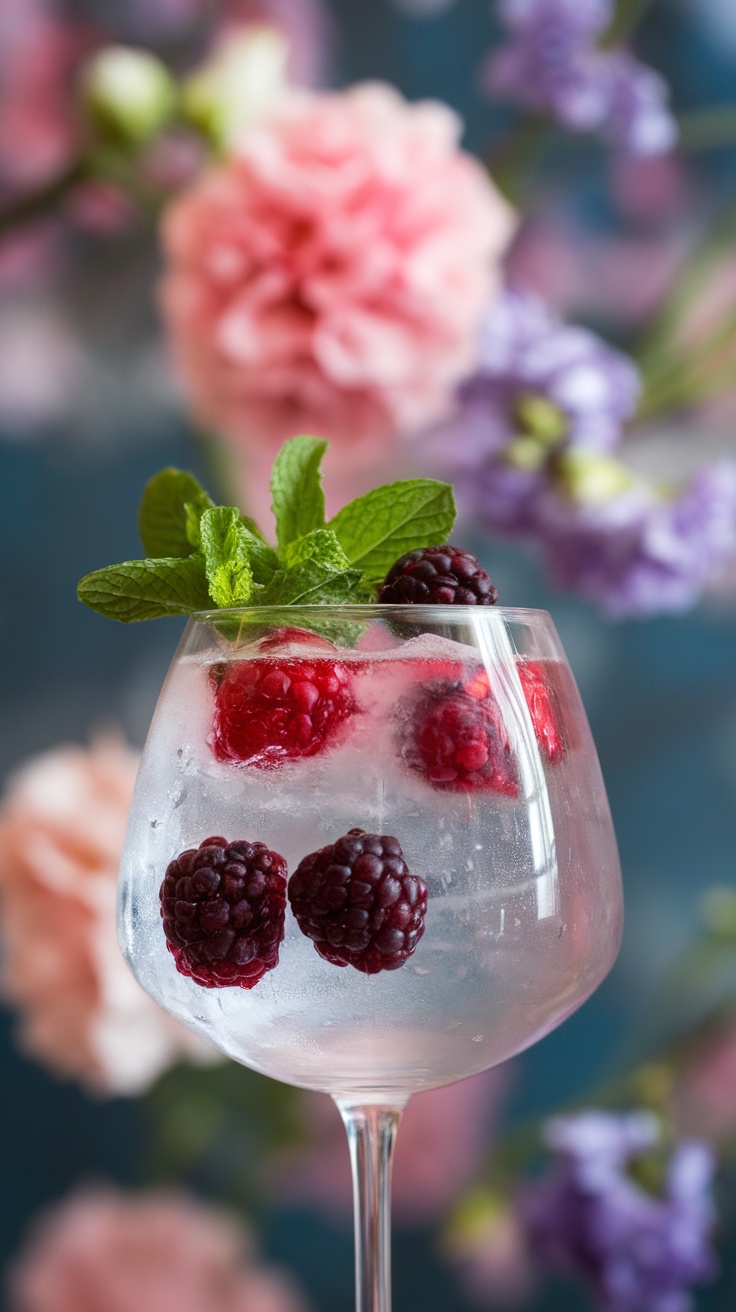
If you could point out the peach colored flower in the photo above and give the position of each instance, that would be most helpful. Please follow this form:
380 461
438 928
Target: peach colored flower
81 1011
441 1138
705 1101
331 275
105 1251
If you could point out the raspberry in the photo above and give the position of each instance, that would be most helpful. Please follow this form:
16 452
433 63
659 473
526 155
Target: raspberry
358 902
456 740
223 907
544 708
438 576
268 710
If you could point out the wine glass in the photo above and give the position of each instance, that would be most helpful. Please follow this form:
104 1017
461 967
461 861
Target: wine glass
455 736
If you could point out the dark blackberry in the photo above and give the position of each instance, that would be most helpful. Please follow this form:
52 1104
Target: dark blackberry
358 902
444 576
268 711
223 907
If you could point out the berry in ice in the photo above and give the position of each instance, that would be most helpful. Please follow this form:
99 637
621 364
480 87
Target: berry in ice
223 906
358 902
455 738
271 710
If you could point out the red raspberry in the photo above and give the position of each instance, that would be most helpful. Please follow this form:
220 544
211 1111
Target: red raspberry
268 710
456 740
358 902
544 708
438 576
223 906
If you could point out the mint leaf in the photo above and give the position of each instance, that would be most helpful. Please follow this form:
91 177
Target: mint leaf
226 556
378 528
163 516
312 582
147 589
296 488
320 545
263 559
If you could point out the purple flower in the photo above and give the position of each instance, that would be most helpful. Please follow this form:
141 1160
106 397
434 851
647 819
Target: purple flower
553 65
638 1251
639 553
540 386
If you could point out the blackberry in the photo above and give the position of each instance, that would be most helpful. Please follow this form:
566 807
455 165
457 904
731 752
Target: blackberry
438 576
223 906
358 902
268 711
454 737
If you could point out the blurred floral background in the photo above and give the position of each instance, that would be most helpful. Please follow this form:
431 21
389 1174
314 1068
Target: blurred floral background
491 240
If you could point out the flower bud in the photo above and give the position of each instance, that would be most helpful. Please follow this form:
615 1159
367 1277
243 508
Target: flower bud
240 84
590 478
129 93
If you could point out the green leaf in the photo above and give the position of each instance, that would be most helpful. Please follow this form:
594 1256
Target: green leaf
226 556
147 589
312 583
163 516
320 545
378 528
296 488
263 559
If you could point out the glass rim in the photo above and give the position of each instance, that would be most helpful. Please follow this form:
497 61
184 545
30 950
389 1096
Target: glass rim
374 610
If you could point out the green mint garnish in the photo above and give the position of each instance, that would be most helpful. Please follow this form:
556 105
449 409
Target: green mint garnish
147 589
170 508
204 557
375 530
225 546
296 488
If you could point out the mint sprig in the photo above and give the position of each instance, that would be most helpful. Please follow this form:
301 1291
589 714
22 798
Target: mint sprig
200 556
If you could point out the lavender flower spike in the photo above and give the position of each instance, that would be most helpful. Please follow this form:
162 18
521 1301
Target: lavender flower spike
641 554
553 65
540 386
638 1251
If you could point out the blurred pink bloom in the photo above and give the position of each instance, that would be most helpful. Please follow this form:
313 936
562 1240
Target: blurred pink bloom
104 1251
81 1011
648 189
306 26
442 1136
331 276
705 1102
620 280
39 53
493 1261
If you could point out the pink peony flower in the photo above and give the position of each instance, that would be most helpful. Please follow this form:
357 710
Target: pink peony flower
331 275
441 1137
81 1011
39 54
105 1251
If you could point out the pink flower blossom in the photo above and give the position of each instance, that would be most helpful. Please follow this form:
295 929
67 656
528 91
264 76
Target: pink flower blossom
331 275
39 53
104 1251
81 1011
441 1138
705 1102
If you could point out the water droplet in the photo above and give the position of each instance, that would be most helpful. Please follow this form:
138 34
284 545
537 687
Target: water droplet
477 1038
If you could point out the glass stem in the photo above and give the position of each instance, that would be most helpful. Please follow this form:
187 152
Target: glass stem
371 1133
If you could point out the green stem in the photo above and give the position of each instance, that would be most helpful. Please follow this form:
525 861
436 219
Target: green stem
708 129
627 17
654 345
516 151
42 202
680 378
